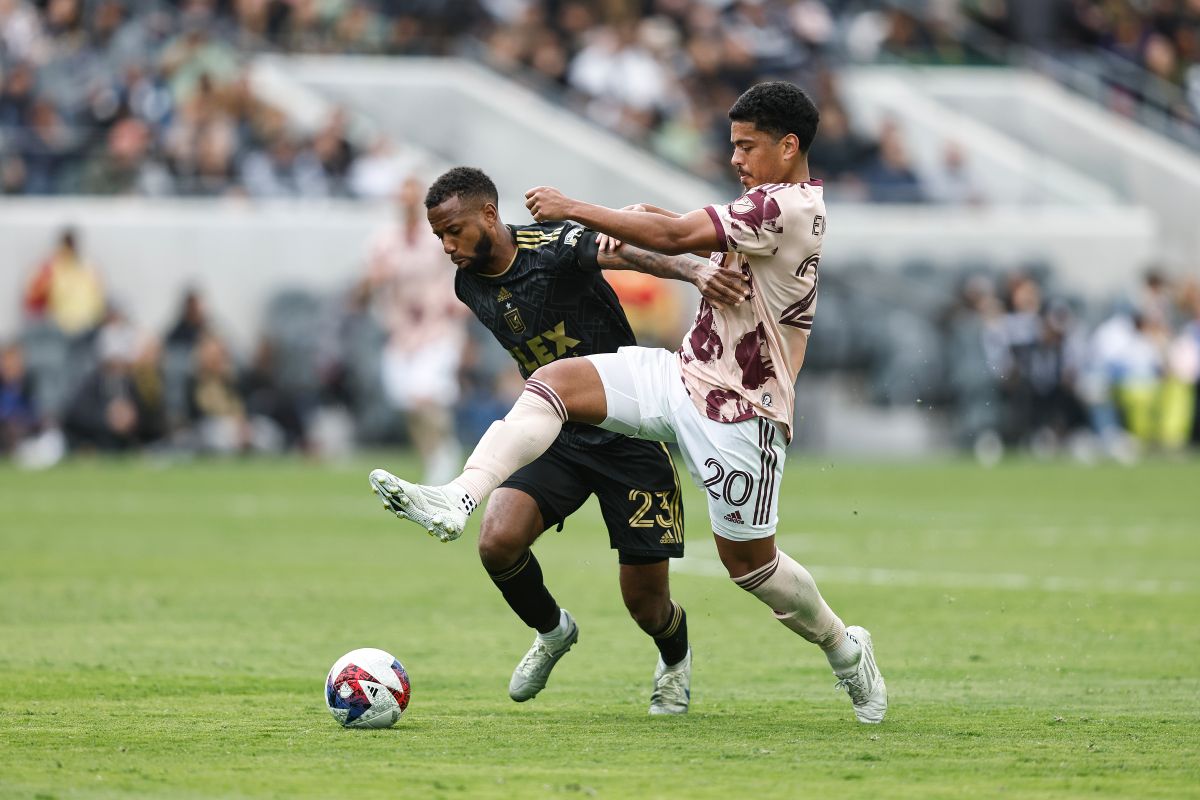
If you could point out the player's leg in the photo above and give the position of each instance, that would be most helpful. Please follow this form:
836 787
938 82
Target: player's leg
646 590
570 389
639 494
511 524
742 467
560 391
538 497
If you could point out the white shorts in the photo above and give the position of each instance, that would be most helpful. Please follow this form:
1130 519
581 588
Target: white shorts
428 374
738 464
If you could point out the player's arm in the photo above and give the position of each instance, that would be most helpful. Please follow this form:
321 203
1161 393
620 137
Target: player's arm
649 209
719 286
610 243
688 233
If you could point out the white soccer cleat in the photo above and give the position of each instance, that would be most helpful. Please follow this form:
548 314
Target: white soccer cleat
672 686
865 685
531 674
441 512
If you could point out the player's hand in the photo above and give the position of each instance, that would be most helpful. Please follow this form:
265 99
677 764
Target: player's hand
721 286
547 204
608 244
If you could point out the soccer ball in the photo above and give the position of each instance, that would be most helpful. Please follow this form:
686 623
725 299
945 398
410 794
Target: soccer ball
367 688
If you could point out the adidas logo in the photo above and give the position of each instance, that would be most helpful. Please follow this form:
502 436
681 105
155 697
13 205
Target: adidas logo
735 516
505 294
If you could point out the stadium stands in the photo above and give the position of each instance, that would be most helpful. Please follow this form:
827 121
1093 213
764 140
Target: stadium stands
1017 346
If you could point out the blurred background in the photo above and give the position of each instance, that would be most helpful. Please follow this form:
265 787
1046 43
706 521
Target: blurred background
212 239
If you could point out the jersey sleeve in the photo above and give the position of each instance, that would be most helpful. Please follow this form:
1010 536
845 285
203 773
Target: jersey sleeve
751 225
578 249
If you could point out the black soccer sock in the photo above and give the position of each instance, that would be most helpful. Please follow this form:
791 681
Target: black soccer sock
526 594
672 640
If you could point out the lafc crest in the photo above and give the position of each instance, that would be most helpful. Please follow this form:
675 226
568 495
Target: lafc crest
515 323
511 315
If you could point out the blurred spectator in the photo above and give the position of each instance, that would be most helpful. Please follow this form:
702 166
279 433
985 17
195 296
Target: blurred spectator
1186 354
215 408
149 388
1052 366
977 359
16 98
952 183
108 411
66 289
412 279
1106 367
891 178
1182 374
18 414
220 421
285 167
266 399
839 154
1140 371
192 322
377 173
124 168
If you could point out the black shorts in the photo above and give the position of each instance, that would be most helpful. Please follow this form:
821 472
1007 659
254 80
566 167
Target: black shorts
635 482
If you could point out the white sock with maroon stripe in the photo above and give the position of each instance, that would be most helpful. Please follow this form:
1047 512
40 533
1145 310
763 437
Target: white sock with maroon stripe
792 594
528 429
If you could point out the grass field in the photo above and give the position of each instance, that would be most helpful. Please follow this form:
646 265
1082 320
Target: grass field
166 633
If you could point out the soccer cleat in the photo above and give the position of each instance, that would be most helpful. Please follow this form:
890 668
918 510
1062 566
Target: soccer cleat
865 685
672 686
435 509
531 674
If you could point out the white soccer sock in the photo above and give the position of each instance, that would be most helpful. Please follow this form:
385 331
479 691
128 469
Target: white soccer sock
843 656
557 635
792 595
528 429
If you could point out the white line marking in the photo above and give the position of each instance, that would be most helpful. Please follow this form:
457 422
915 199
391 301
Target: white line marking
699 565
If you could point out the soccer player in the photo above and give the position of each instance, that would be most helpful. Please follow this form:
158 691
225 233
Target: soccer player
538 289
426 331
726 397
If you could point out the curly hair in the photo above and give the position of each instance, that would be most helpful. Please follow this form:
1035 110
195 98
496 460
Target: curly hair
778 108
464 183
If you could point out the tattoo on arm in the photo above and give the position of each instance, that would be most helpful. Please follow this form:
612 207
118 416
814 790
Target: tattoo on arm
679 268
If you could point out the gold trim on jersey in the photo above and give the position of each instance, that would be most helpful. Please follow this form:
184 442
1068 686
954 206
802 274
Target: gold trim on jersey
504 271
535 239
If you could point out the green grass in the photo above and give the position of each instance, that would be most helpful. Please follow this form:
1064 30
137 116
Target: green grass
167 633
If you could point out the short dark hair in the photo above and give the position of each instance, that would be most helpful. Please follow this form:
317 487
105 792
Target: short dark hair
464 183
778 108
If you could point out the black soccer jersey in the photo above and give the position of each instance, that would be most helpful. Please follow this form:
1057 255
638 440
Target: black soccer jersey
551 303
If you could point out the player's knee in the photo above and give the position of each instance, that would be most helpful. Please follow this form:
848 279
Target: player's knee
737 567
649 608
499 545
553 375
742 558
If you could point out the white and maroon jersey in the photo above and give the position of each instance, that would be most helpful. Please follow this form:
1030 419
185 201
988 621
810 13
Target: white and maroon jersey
415 281
741 361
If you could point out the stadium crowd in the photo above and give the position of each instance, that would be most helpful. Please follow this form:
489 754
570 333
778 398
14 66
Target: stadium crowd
152 97
1009 362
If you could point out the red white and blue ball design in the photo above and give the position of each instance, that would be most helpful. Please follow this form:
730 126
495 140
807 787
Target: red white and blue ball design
367 688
